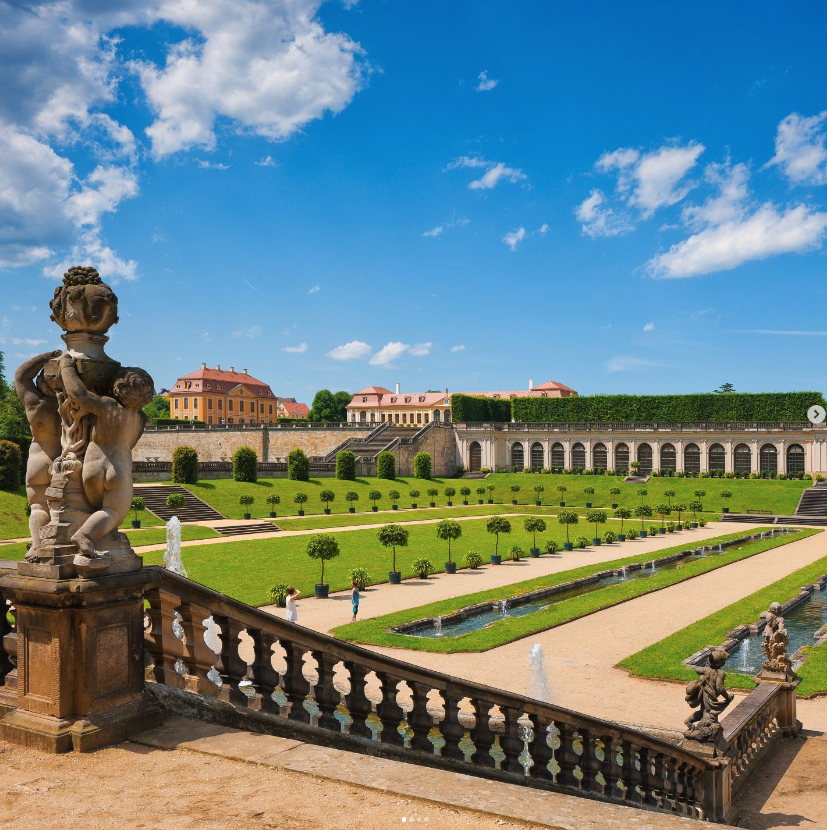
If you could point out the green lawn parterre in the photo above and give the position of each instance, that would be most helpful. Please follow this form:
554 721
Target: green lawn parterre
663 660
375 631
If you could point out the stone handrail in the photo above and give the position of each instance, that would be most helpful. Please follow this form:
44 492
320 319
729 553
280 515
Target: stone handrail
626 426
190 426
367 702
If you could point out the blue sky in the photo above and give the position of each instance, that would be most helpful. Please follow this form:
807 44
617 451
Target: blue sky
457 195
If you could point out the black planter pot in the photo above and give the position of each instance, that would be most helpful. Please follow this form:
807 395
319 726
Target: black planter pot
568 546
374 508
300 513
432 504
614 506
136 525
394 507
327 511
513 501
450 567
588 505
395 578
247 516
621 537
538 503
694 524
596 542
351 510
479 501
534 553
413 506
724 510
644 534
465 503
450 504
562 504
661 530
272 514
321 591
496 559
490 501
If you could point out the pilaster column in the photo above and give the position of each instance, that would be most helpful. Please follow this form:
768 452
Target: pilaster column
679 468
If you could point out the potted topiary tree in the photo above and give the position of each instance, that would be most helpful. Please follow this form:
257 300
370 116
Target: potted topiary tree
596 517
448 530
246 501
490 488
695 506
615 491
175 501
324 547
300 499
465 492
642 492
539 489
568 517
622 513
562 491
727 495
589 492
497 525
534 525
670 494
414 494
327 496
374 496
643 511
394 496
634 467
663 510
138 506
450 492
480 494
515 488
273 500
699 495
433 493
350 497
394 536
679 508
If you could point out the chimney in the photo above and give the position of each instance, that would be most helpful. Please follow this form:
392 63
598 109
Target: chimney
397 388
232 369
245 371
530 384
218 368
203 365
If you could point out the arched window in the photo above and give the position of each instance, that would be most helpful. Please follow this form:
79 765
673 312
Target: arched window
558 455
474 457
743 459
436 415
373 417
717 457
795 459
578 456
600 457
363 416
621 458
644 456
517 458
537 456
692 458
668 457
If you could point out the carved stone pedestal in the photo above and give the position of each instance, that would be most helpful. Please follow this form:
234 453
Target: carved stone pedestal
80 667
787 715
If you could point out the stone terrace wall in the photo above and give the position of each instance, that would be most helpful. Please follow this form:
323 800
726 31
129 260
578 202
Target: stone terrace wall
440 442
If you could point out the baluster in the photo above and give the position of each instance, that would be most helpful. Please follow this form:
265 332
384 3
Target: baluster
389 711
600 764
635 777
198 656
294 683
511 742
230 665
452 730
357 702
481 734
419 719
166 649
327 696
266 677
540 749
619 771
668 772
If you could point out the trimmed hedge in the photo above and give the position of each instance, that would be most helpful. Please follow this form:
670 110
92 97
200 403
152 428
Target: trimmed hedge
471 408
730 406
245 464
298 465
386 465
346 465
185 465
11 465
422 465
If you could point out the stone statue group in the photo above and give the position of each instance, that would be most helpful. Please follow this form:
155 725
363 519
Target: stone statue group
85 413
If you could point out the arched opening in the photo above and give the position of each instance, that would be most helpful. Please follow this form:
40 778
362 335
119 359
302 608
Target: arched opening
621 458
768 459
692 458
558 455
474 457
517 458
644 457
373 417
600 456
537 456
668 457
717 458
743 459
363 416
795 459
578 457
436 415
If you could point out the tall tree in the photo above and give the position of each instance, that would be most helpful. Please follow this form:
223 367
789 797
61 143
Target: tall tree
329 407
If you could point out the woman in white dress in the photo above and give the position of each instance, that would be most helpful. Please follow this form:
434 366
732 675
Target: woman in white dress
290 602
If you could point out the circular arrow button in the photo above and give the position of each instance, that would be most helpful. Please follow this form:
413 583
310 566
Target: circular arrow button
816 414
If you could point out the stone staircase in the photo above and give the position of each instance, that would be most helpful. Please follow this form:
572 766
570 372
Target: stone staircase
378 441
194 510
242 530
813 501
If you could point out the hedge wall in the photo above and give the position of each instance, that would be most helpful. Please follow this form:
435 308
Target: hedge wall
729 406
470 408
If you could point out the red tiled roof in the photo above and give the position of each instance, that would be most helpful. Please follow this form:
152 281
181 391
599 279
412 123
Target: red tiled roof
373 390
388 398
223 376
297 410
551 385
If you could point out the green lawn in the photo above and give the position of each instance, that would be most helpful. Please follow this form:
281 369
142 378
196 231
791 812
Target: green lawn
14 524
15 551
662 660
375 631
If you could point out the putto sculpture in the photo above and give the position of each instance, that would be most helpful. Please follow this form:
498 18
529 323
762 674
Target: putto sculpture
85 412
776 640
709 696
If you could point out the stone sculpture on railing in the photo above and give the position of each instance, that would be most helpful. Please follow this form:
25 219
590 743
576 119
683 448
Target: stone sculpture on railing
774 646
709 697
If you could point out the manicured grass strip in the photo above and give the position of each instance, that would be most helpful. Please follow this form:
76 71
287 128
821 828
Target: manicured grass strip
157 536
662 660
375 631
14 524
15 551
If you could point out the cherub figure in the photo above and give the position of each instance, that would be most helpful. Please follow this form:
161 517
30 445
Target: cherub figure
40 403
107 465
776 640
709 696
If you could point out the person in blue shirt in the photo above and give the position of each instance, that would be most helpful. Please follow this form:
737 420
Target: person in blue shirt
354 600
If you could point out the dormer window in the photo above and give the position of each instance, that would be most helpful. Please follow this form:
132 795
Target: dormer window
422 399
209 386
364 398
393 400
218 387
407 400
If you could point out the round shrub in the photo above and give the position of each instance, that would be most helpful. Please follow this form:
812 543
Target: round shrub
386 465
473 560
245 464
346 466
11 465
185 465
551 546
422 465
278 594
298 465
361 577
175 501
517 553
422 567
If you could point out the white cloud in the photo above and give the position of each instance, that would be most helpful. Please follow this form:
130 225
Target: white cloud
598 220
513 238
421 349
729 204
300 349
26 342
459 348
649 327
206 164
766 232
800 148
253 332
267 161
206 337
495 172
543 229
389 353
435 231
627 363
455 222
485 83
350 351
315 289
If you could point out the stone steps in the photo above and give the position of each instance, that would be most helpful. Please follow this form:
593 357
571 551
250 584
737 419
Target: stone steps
194 509
241 530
